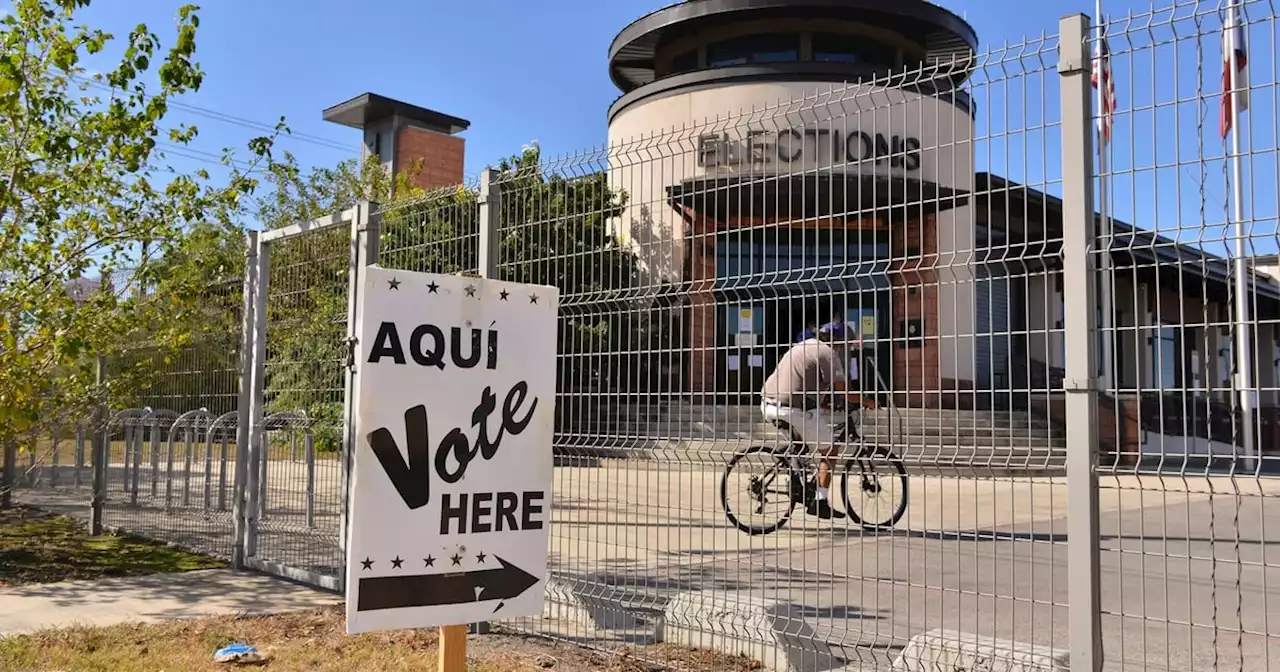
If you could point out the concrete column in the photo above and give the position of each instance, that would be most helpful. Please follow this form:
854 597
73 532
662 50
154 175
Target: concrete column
1266 364
1126 341
1212 344
1143 319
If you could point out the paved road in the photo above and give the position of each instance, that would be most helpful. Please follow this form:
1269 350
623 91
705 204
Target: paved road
1189 573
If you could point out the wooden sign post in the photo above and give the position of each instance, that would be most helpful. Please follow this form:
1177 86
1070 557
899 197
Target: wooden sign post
453 648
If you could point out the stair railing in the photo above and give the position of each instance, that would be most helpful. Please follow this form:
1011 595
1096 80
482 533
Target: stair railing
882 386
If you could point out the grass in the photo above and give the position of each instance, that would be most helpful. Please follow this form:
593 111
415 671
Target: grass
316 640
37 547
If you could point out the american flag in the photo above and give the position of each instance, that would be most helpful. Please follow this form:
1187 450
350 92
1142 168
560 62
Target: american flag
1234 58
1102 80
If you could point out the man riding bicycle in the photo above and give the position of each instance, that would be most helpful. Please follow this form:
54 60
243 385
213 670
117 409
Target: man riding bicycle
800 392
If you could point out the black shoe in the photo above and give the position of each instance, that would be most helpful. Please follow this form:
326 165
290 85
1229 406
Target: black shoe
822 509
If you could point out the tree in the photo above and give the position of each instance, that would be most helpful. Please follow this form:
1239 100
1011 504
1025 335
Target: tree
307 302
85 197
554 230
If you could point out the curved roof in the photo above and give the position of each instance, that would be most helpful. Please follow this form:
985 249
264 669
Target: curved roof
947 38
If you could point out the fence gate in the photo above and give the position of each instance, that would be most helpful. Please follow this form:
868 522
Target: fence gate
296 473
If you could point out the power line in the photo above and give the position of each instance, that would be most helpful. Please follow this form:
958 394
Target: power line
234 120
205 157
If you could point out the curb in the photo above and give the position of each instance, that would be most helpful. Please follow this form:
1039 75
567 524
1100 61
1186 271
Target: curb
950 649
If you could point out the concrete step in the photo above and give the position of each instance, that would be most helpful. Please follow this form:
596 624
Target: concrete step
765 430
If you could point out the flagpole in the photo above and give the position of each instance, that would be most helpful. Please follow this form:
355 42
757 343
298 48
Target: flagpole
1244 350
1104 238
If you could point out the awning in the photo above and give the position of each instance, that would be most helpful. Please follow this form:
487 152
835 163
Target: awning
810 196
839 278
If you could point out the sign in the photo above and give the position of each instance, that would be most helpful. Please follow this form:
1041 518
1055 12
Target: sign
746 321
869 326
451 481
809 146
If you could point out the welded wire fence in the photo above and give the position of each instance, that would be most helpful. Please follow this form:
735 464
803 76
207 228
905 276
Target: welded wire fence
1060 355
1189 297
296 478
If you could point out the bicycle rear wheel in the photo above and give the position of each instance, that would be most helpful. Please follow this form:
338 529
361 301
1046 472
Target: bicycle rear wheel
754 479
879 486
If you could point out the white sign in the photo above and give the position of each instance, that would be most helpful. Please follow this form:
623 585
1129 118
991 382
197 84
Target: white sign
451 483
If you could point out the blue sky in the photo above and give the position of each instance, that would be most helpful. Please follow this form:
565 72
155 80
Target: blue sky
524 71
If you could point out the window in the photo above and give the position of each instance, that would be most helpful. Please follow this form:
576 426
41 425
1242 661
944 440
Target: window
685 62
835 48
1164 361
770 48
1226 358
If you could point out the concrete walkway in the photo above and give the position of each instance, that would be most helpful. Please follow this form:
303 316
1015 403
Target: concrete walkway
152 598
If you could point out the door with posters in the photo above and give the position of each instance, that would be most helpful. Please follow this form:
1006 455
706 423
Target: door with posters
867 367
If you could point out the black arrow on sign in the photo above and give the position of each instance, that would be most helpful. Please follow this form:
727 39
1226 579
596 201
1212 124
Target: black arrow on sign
432 590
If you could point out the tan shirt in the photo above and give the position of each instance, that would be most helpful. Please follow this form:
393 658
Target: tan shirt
807 371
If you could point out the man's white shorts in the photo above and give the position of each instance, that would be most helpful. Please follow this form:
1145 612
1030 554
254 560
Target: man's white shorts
815 427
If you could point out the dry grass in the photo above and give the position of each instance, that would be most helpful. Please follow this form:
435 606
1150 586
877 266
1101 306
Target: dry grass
37 547
316 640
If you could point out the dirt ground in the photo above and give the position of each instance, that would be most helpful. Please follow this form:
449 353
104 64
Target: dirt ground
316 640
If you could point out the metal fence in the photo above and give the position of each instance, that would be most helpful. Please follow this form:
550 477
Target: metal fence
1067 352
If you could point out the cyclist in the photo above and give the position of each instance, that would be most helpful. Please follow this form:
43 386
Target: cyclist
800 392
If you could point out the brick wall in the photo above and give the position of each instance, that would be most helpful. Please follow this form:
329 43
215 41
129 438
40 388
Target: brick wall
914 295
442 156
702 309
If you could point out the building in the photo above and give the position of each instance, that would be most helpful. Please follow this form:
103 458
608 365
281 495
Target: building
401 134
859 199
780 170
804 176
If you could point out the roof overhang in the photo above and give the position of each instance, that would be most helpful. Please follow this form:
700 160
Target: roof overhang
949 41
370 108
806 197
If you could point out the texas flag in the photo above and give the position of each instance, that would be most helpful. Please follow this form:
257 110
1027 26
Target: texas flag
1105 85
1235 60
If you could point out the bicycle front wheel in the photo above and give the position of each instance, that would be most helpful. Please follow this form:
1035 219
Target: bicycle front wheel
874 487
758 484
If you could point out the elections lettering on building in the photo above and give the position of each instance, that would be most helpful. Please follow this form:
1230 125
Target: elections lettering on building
807 146
451 482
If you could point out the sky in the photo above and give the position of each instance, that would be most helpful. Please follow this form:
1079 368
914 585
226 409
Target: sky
524 71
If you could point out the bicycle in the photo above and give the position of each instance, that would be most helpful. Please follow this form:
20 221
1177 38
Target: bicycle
795 458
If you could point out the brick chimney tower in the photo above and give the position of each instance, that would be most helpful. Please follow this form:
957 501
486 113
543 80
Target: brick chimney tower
400 133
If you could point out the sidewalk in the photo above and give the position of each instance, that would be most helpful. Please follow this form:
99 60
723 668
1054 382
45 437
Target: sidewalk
151 598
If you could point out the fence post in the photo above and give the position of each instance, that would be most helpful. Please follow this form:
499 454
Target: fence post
488 257
244 401
366 245
1078 223
9 481
100 431
490 239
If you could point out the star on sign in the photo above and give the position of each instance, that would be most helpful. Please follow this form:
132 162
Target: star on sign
433 288
502 296
394 283
533 298
471 290
429 561
395 564
457 560
366 564
481 557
